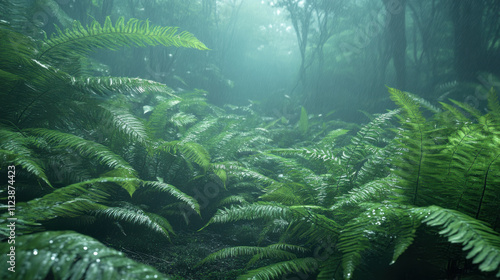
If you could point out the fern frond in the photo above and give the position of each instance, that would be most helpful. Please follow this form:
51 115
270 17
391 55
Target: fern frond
14 149
75 208
81 40
330 268
474 235
86 148
181 119
232 200
273 271
159 119
424 103
373 191
127 123
70 255
135 215
494 106
163 187
317 154
373 227
72 200
190 151
329 139
249 212
195 153
314 227
263 252
362 146
103 86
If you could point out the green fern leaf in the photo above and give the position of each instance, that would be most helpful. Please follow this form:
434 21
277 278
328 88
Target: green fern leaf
127 123
103 86
14 148
135 215
248 212
263 252
70 255
474 235
81 40
86 148
163 187
303 121
273 271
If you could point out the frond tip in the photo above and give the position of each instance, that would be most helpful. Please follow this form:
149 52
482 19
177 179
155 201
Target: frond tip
474 235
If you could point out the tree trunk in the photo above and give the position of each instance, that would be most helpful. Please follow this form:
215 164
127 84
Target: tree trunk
396 36
466 18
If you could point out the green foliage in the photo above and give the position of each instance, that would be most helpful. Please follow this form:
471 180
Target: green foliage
81 40
69 255
83 136
474 235
303 121
330 200
273 271
368 199
84 147
137 216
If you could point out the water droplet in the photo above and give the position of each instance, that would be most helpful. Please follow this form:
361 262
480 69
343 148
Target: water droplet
95 253
85 248
51 241
98 260
35 252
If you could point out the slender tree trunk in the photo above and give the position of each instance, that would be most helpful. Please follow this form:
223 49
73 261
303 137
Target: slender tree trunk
397 38
466 17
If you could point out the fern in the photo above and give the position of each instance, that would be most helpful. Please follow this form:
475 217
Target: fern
81 40
86 148
249 212
303 123
273 271
415 140
482 241
263 252
163 187
105 86
70 255
190 151
369 229
376 190
135 215
127 123
14 148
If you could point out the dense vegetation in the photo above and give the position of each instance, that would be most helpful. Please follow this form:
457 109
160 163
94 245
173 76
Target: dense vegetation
116 177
